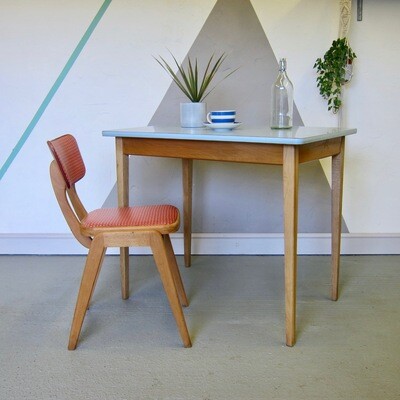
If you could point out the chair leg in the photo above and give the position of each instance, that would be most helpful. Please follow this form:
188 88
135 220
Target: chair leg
90 273
167 278
175 270
95 281
124 268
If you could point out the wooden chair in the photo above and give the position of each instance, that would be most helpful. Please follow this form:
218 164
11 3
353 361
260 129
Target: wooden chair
114 227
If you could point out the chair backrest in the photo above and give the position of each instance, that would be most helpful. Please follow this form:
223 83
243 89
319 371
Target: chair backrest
67 169
68 157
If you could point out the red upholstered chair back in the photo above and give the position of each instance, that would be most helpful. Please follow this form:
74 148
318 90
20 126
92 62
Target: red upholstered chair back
68 157
67 169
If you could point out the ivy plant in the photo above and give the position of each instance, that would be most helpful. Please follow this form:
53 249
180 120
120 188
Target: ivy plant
331 70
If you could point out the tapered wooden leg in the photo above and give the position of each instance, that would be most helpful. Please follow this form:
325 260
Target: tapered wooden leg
187 180
290 199
124 268
161 259
95 281
123 201
175 271
336 193
93 264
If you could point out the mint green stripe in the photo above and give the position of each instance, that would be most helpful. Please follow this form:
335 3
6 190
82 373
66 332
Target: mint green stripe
54 88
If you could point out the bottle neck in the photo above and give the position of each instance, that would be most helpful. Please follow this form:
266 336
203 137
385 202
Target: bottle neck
282 65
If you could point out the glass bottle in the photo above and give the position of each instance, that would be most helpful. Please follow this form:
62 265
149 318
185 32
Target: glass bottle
282 99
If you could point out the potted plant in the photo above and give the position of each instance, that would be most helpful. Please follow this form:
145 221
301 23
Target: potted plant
195 86
334 70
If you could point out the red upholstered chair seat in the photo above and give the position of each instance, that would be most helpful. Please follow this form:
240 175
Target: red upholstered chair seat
160 217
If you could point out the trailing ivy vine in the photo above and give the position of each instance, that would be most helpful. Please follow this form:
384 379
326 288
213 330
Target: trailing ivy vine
331 71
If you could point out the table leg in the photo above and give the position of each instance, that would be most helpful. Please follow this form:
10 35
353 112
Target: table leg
123 201
290 200
336 224
187 179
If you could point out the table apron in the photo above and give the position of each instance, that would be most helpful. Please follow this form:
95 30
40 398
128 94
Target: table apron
256 153
318 150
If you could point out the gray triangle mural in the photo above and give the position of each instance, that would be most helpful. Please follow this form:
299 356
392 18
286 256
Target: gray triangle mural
230 197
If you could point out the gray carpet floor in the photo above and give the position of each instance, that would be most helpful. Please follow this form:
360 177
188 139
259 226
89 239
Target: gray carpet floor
131 349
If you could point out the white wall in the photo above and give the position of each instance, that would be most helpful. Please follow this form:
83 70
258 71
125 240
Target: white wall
116 83
304 30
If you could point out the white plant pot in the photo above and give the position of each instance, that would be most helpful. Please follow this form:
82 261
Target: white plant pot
193 115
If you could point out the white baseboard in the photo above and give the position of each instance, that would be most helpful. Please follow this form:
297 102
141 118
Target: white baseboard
213 243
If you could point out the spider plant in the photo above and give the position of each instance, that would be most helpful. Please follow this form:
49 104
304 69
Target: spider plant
194 85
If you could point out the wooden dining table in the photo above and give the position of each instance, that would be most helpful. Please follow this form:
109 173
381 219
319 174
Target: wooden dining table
245 144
